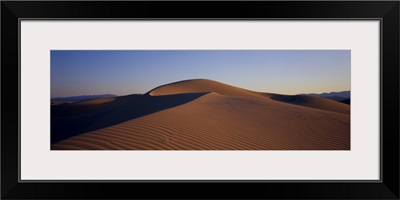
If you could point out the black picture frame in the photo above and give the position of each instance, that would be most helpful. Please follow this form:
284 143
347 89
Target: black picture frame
386 11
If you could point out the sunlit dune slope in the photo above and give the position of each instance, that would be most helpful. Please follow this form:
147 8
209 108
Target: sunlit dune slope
207 115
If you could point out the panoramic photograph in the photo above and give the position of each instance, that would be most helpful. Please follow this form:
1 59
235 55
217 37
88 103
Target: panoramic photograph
200 99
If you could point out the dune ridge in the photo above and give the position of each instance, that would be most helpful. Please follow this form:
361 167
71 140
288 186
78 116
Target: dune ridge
202 85
221 117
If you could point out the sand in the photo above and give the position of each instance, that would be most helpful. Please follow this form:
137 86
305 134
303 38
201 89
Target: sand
207 115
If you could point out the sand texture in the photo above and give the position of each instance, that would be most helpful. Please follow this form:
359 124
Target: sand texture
202 114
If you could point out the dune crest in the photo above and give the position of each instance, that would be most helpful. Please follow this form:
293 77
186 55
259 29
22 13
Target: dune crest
202 85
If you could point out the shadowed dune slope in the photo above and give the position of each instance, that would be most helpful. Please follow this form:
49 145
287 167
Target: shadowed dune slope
73 119
214 121
313 102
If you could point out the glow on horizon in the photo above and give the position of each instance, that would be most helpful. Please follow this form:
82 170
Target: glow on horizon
124 72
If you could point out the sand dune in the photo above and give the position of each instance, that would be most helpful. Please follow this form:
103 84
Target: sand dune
207 115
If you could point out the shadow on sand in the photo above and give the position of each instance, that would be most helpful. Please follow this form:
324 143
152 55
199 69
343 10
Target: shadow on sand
68 120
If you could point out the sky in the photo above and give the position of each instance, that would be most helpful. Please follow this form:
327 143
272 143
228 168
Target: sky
91 72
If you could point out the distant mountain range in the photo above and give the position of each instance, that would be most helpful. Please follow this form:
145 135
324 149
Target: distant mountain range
83 97
337 96
343 96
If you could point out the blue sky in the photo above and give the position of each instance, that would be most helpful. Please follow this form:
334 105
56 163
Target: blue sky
88 72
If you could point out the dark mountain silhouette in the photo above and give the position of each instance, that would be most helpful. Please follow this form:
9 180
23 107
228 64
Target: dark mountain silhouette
337 96
83 97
